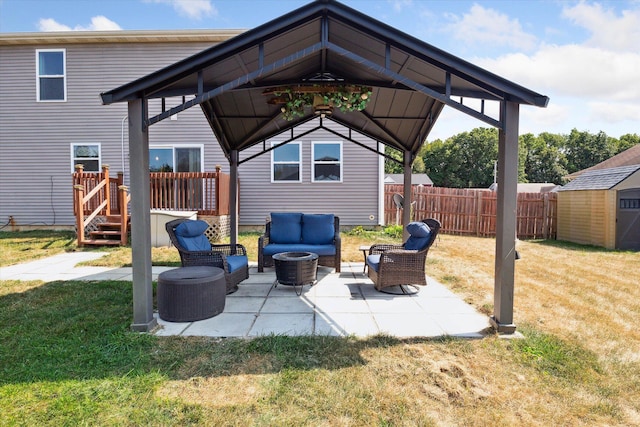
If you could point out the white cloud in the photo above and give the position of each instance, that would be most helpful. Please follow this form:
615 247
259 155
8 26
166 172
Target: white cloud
400 5
573 70
486 26
614 111
49 24
194 9
98 23
537 120
608 30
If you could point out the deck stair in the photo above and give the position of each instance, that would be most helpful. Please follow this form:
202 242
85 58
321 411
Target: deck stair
97 196
109 233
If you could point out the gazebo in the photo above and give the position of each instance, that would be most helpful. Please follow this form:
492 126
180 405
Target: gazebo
324 47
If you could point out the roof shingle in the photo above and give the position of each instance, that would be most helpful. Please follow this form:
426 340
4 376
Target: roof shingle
601 179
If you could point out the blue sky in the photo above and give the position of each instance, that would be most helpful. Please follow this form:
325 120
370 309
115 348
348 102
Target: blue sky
584 55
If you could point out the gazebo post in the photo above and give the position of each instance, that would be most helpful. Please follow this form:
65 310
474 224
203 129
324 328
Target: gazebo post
143 320
406 194
502 318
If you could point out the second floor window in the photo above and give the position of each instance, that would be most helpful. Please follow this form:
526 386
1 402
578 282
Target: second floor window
51 75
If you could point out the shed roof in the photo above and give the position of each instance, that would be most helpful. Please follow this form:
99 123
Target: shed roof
601 179
325 42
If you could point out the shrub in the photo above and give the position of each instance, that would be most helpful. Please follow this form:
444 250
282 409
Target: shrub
394 231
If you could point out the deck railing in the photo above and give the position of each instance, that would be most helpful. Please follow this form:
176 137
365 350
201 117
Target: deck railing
204 192
473 211
100 190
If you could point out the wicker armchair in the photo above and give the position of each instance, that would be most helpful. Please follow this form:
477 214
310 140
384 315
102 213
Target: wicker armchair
224 256
397 266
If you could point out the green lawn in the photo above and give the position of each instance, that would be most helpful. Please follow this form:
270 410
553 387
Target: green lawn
68 357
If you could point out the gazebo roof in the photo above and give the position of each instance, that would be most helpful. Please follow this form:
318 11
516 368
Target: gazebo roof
324 42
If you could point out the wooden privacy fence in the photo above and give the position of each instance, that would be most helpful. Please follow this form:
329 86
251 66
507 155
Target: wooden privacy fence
473 211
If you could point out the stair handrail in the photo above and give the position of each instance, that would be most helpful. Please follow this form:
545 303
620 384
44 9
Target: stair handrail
81 200
124 198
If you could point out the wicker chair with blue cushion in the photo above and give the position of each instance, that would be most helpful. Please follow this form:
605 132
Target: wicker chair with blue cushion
402 266
188 236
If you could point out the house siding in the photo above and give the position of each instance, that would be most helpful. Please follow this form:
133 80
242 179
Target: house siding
354 200
35 137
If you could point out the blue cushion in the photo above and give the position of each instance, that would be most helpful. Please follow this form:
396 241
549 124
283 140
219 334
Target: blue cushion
418 229
190 234
416 243
236 262
420 234
286 227
322 250
317 229
373 261
191 228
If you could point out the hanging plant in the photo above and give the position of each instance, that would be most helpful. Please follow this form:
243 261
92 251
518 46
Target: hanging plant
322 98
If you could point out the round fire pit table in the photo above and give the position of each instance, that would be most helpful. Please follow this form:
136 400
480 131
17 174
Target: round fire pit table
187 294
295 269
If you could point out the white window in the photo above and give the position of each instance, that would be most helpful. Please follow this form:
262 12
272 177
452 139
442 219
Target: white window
51 71
87 155
327 161
286 163
175 159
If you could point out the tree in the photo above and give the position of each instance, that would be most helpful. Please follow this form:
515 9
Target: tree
543 158
584 150
394 167
626 141
464 160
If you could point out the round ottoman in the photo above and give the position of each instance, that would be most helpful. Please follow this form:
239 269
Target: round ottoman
187 294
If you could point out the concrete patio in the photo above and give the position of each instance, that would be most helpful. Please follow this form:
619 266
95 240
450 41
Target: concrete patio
339 304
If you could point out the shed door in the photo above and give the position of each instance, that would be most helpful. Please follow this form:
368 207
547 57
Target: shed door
628 223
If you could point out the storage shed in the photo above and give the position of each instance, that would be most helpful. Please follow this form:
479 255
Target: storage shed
602 208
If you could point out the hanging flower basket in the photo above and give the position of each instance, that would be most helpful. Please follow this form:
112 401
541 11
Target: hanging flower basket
323 99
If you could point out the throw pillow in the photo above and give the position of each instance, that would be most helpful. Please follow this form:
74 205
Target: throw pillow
318 229
286 227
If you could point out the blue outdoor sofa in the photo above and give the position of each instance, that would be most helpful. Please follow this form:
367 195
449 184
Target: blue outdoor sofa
298 232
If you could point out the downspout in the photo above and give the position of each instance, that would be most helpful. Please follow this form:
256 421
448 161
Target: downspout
381 189
124 119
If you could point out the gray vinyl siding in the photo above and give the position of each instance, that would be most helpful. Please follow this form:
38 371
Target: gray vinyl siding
353 200
36 137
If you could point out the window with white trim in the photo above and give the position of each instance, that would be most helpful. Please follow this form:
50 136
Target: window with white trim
87 155
286 165
175 159
327 161
51 72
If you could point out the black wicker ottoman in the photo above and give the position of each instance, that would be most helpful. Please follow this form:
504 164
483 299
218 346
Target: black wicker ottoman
187 294
295 269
